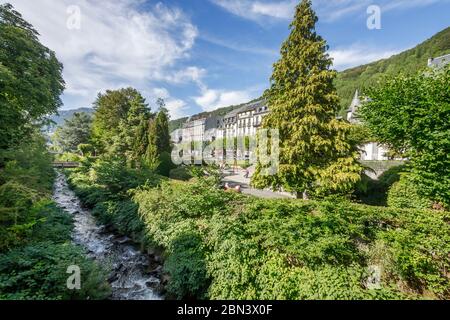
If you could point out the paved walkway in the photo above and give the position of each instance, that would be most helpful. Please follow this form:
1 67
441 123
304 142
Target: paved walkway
236 177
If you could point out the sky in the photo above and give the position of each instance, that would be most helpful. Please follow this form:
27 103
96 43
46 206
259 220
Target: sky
200 55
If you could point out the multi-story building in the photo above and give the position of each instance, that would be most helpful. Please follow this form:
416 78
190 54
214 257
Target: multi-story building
370 151
242 122
439 62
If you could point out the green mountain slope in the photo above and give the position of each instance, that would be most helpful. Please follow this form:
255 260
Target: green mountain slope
407 62
348 81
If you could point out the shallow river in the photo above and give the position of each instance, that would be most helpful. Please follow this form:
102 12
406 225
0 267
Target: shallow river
130 278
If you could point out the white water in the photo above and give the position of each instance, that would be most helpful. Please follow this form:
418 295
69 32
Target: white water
130 278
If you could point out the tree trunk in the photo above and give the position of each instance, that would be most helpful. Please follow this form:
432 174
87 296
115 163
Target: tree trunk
305 195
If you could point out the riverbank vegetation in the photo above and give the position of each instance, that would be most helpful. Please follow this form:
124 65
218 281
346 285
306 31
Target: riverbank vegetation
220 245
35 235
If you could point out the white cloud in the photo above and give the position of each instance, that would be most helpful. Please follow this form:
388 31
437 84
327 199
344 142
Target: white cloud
358 55
257 10
213 99
117 45
327 10
189 74
177 107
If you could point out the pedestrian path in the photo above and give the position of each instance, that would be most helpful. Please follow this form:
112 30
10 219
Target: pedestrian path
237 177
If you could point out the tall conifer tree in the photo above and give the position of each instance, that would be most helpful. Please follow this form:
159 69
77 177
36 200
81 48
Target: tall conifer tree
315 155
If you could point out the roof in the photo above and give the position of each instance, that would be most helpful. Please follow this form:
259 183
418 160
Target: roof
248 107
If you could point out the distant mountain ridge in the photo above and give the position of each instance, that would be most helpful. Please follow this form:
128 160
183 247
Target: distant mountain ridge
63 115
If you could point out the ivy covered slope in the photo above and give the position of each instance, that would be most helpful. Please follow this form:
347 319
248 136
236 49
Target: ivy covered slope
226 246
407 62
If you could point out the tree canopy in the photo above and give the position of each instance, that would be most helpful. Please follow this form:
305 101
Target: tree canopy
315 153
74 132
120 119
30 78
411 114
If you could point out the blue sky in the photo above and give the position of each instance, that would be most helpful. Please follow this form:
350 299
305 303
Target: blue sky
203 54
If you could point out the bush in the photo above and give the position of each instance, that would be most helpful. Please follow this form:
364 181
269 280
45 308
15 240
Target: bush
248 248
117 178
181 173
122 215
374 192
39 272
405 194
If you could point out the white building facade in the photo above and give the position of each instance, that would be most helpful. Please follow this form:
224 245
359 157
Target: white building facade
372 151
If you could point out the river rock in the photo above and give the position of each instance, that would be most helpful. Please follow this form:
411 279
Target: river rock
157 271
123 240
165 279
153 283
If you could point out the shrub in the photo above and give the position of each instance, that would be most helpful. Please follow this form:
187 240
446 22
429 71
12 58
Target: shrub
39 271
165 164
374 192
405 194
248 248
181 173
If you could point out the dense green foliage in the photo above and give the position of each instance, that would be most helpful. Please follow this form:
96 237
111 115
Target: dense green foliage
411 114
38 272
220 112
35 235
120 124
104 186
316 153
405 194
158 154
30 78
228 246
407 62
76 131
125 128
25 181
220 245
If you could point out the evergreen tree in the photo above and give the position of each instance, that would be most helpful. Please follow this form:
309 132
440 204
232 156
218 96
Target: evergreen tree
315 155
75 131
159 144
162 128
121 123
152 154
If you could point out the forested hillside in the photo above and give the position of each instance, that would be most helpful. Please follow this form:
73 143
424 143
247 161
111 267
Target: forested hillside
407 62
348 81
